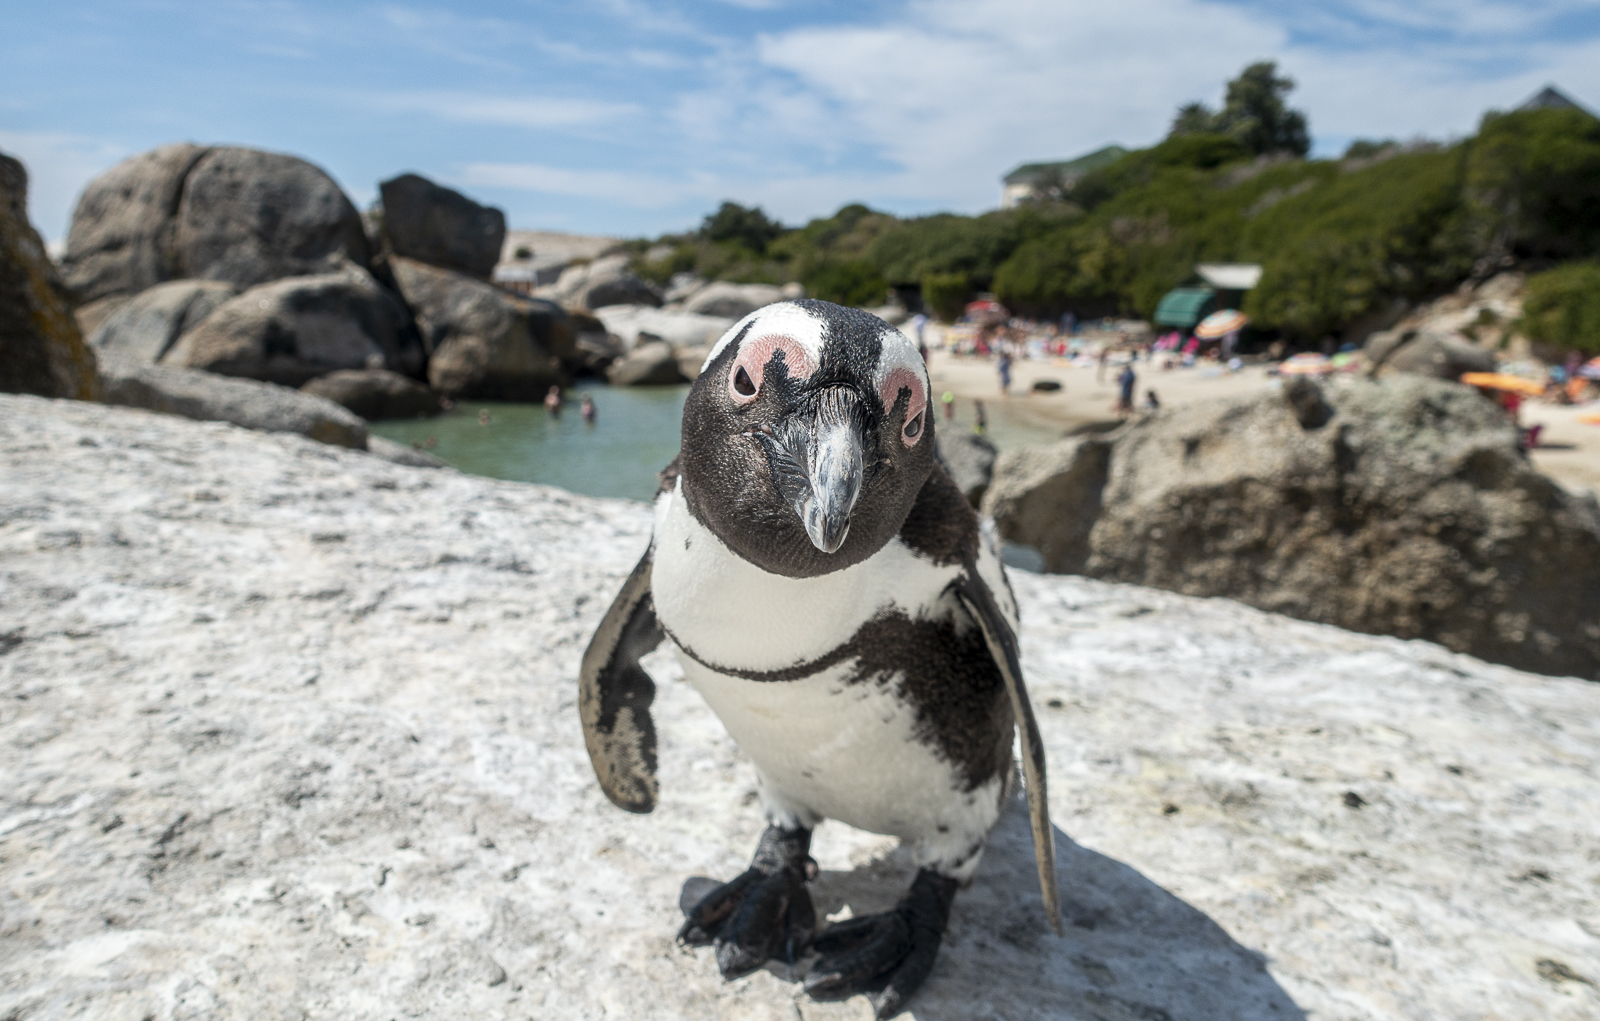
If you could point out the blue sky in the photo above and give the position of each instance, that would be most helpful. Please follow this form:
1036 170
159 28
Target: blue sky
631 117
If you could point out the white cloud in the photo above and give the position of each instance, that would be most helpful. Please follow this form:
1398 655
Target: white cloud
59 165
509 111
641 190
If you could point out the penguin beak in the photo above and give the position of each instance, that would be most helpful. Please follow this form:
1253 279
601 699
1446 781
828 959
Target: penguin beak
817 463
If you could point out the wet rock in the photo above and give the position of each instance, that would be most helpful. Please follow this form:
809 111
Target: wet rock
691 360
41 350
969 459
123 237
651 363
145 327
375 394
249 217
484 341
267 700
293 330
439 226
248 403
399 453
731 301
1402 507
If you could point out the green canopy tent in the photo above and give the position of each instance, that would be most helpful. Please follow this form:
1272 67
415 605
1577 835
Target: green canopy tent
1183 307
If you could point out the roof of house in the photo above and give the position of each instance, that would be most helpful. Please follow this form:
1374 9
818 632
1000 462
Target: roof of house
1229 276
1070 169
1551 98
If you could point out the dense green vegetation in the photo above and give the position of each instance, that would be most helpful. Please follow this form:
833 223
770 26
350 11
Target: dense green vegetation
1562 306
1338 239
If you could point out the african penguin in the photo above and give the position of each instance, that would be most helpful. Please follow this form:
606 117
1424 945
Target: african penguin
831 596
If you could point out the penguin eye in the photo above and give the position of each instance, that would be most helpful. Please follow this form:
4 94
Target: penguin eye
913 427
742 384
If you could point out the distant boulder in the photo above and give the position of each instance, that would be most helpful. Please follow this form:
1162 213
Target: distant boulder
244 402
399 453
1442 355
632 323
732 301
483 341
295 329
146 326
651 363
441 227
602 283
1403 506
375 394
41 350
123 235
249 217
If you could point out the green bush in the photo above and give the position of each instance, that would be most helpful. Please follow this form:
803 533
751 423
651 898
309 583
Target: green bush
854 282
1562 306
945 294
1533 185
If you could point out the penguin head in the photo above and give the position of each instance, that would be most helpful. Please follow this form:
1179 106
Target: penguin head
807 437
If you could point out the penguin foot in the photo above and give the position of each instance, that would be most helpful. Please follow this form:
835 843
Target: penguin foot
888 955
766 912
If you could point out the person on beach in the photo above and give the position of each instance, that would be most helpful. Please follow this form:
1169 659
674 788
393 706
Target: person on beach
586 408
1100 365
1151 401
1126 380
980 421
1005 370
552 402
949 402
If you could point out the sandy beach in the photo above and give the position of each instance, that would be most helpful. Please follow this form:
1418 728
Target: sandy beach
1569 450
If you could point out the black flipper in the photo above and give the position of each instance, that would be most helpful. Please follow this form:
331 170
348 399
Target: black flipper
614 695
1002 641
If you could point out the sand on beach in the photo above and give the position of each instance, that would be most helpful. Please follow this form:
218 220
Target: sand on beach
1569 450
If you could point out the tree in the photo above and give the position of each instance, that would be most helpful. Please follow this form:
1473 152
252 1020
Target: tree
749 227
1253 112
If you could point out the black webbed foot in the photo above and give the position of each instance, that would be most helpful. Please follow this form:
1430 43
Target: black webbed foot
766 912
888 955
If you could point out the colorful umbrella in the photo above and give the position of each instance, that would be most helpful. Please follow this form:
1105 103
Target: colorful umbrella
1219 324
1504 381
1307 363
1591 369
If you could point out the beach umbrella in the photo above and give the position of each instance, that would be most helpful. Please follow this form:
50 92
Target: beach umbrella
1503 381
1590 369
1307 363
1219 324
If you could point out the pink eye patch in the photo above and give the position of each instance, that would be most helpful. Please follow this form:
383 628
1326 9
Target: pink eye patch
754 356
893 383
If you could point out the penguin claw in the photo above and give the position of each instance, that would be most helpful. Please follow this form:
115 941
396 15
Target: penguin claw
888 955
765 912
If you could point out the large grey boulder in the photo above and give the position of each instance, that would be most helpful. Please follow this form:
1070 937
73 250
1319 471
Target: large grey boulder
732 301
1438 354
146 326
242 402
293 330
290 729
484 341
249 217
375 394
123 234
440 226
651 363
603 283
632 323
1401 507
41 350
399 453
969 458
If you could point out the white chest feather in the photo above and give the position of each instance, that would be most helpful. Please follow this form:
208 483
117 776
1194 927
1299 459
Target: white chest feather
732 613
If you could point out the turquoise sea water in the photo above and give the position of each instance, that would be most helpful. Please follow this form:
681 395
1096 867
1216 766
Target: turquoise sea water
634 436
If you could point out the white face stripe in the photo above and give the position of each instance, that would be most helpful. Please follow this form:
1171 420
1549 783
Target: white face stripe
786 318
807 330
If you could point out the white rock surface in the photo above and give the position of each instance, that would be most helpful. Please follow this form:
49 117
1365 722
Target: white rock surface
289 731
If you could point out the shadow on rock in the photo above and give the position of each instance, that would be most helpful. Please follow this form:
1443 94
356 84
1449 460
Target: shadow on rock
1132 951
